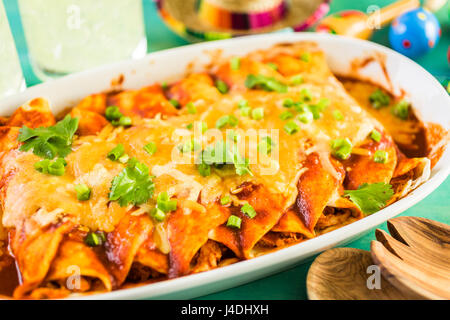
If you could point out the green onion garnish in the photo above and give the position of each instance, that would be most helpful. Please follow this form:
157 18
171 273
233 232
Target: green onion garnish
113 113
230 120
175 103
157 214
305 117
296 80
150 148
379 99
116 152
272 66
341 148
83 192
204 169
164 203
243 104
337 115
191 108
235 63
225 200
286 115
306 56
248 210
234 222
288 102
265 146
221 86
258 113
380 156
401 110
95 239
291 127
375 135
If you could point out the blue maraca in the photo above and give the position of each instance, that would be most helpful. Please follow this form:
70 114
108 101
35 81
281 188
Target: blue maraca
415 32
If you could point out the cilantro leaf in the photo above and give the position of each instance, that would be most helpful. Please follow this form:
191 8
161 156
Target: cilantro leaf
219 155
265 83
50 142
132 185
370 197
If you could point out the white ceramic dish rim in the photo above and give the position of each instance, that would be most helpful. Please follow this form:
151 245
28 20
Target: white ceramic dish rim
244 271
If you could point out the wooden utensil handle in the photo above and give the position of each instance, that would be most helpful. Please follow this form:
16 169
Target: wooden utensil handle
388 13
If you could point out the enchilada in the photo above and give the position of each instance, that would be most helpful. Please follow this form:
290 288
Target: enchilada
147 189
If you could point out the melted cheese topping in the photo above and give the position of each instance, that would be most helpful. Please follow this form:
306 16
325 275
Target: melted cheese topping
177 173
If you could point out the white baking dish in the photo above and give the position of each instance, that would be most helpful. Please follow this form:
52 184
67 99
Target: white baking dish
425 93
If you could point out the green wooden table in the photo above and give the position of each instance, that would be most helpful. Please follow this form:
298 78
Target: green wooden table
289 284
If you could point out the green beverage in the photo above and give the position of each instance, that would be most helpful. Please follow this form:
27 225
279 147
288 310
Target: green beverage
65 36
11 79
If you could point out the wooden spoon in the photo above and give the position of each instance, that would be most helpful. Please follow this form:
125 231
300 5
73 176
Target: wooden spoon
414 261
341 274
427 237
420 261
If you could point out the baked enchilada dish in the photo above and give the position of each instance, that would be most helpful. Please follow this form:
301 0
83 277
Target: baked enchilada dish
257 153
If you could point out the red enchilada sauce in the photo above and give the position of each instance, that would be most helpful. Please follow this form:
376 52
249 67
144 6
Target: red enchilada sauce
409 134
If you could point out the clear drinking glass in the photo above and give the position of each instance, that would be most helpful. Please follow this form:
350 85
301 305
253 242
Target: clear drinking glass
11 78
65 36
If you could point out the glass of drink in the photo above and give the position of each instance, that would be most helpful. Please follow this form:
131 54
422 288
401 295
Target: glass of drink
65 36
11 78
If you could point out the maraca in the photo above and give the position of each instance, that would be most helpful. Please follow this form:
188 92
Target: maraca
415 32
359 25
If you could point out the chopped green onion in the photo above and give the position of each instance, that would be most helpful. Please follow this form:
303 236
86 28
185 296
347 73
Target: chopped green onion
83 192
190 126
291 127
123 121
175 103
305 117
42 166
265 146
265 83
380 156
306 56
116 152
157 214
341 148
230 120
375 135
150 148
379 99
204 169
401 110
337 115
225 200
164 85
258 113
248 210
305 95
164 203
243 104
235 63
56 167
189 146
95 239
124 159
232 135
204 126
296 80
113 113
221 86
288 102
272 65
286 115
234 222
245 112
191 108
